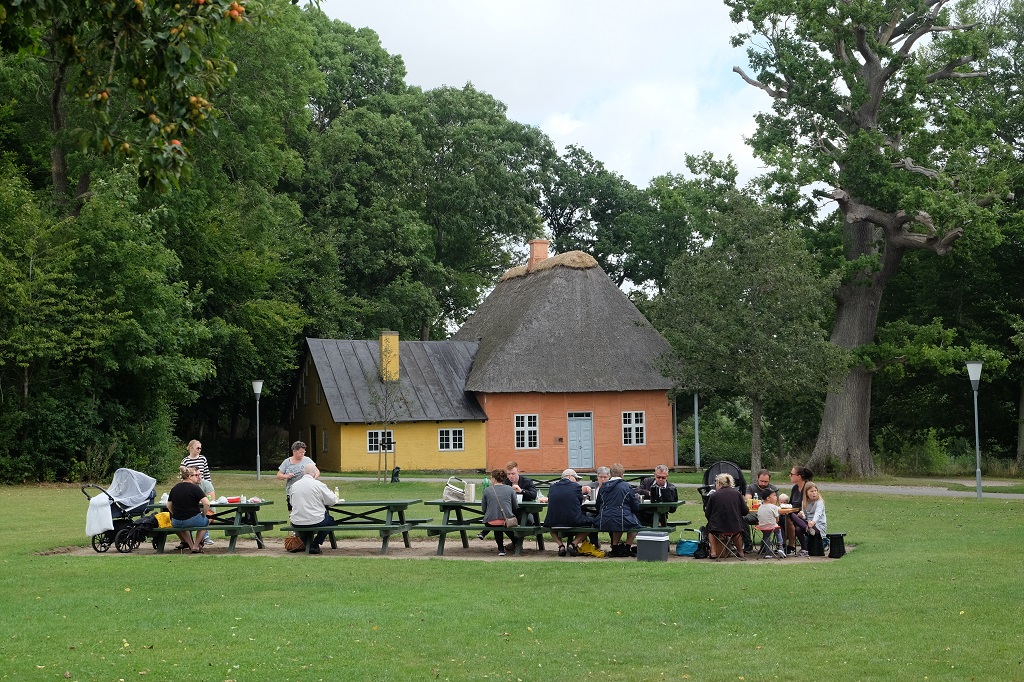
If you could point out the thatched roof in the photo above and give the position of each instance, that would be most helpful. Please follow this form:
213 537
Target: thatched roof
562 327
432 379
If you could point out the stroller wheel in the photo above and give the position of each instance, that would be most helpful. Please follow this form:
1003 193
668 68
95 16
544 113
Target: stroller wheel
101 541
123 541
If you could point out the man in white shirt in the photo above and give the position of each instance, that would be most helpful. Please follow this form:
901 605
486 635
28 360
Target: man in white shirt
310 499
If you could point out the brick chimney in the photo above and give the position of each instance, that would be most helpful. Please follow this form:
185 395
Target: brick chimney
538 252
389 356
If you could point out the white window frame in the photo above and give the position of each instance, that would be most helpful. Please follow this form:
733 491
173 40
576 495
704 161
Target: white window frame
527 432
451 440
634 428
374 437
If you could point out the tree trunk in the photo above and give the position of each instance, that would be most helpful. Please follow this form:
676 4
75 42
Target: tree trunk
755 438
58 158
844 435
1020 428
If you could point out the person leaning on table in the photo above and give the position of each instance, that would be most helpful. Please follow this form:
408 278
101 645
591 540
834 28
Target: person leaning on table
291 469
656 488
189 508
310 500
725 511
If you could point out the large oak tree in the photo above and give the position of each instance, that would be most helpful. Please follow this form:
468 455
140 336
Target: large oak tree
858 105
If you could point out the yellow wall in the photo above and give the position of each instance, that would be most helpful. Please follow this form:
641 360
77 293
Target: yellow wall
415 442
415 446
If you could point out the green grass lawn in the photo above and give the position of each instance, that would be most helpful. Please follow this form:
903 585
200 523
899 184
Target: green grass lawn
931 591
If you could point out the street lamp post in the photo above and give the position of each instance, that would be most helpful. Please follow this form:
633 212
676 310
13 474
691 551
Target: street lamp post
696 431
974 372
257 389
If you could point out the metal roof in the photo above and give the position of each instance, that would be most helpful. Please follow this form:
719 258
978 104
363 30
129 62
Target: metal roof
431 386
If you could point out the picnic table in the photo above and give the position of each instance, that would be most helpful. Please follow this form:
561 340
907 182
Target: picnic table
660 511
387 517
233 518
466 517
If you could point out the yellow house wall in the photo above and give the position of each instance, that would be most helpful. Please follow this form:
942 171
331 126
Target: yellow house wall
310 411
415 446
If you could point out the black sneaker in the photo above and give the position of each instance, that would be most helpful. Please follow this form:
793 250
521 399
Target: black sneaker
632 550
561 550
480 536
620 550
501 552
315 550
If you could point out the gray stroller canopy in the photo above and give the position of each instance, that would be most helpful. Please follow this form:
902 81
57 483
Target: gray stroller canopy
131 488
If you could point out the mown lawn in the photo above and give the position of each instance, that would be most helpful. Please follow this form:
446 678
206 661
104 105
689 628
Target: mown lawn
930 590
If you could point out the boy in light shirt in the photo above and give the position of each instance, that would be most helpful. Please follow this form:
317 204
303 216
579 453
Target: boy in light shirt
768 516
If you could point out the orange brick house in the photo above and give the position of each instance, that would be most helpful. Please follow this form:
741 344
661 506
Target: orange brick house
566 370
557 368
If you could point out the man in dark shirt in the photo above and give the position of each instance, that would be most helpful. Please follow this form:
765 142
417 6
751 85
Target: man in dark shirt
656 489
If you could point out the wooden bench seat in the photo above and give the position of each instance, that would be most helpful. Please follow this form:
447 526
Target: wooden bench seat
231 531
384 530
520 533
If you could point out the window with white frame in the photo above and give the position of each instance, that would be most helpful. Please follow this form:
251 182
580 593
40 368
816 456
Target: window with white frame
450 439
633 431
527 432
375 441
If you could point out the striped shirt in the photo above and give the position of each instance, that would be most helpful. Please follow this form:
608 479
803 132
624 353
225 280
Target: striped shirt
199 463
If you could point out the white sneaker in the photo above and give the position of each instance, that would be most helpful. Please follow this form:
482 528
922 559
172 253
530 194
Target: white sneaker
802 553
209 542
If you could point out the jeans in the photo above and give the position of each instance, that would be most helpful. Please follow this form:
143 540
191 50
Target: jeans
320 537
197 521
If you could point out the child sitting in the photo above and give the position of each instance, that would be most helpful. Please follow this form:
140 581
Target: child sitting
768 518
783 499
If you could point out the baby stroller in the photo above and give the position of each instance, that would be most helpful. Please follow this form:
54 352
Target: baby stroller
722 467
117 508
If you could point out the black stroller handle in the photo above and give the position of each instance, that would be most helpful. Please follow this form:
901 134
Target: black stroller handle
93 485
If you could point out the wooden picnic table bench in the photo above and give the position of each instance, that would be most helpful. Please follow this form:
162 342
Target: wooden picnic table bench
386 517
232 518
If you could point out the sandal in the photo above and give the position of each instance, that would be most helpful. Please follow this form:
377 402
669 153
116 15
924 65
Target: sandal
181 546
197 550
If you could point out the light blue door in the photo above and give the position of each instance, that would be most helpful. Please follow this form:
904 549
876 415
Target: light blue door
581 440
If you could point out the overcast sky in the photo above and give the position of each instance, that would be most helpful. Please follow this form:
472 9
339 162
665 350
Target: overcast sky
638 84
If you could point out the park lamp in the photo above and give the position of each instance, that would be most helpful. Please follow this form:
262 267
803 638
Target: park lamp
974 372
257 388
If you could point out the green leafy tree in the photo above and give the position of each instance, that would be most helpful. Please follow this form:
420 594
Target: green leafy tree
143 68
857 105
744 313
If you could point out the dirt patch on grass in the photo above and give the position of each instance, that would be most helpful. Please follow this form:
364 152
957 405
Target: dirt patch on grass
421 548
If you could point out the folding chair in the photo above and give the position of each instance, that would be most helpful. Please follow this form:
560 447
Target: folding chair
768 545
728 542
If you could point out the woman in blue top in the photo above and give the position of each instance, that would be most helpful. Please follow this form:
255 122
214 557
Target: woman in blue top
617 506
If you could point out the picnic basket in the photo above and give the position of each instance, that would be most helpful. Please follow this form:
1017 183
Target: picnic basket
453 493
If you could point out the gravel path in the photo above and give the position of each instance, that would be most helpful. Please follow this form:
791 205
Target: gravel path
925 491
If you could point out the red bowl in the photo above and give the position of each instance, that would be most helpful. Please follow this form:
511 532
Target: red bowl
233 500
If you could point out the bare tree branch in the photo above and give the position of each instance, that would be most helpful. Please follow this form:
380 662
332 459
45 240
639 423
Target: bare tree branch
908 164
895 225
772 92
949 70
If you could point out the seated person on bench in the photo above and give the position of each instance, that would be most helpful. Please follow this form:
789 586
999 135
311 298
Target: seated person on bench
725 511
656 489
310 499
565 510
